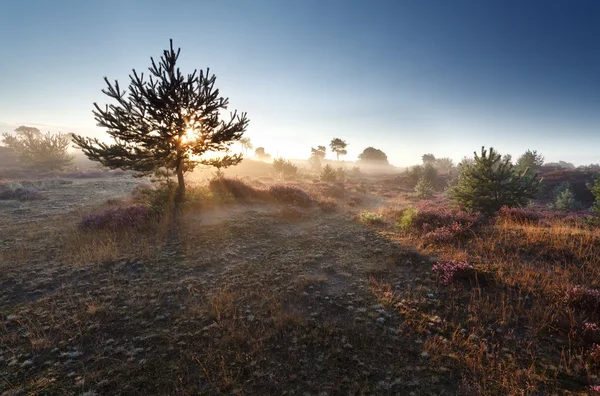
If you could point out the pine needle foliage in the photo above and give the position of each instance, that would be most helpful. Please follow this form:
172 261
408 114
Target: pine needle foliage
165 123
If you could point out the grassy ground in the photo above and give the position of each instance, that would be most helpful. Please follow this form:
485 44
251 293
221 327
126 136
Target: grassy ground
256 299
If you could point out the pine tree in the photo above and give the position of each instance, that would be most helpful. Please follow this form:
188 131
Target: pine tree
165 123
489 182
338 146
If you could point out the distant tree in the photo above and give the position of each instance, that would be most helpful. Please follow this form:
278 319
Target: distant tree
317 155
444 165
489 183
338 146
40 152
246 145
374 156
285 168
28 131
428 159
530 159
165 123
261 154
507 157
328 174
561 165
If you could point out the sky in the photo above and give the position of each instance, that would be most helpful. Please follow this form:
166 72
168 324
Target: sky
405 76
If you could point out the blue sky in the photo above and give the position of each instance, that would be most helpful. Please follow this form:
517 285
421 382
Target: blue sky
407 77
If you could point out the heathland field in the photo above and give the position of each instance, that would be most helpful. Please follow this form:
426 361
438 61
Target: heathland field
260 286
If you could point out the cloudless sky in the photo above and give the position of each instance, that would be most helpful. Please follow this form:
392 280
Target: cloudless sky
407 77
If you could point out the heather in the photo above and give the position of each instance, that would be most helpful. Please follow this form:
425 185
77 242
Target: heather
117 218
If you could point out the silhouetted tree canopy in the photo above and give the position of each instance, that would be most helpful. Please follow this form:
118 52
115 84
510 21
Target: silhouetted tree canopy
165 122
373 155
317 155
261 154
428 159
338 146
28 131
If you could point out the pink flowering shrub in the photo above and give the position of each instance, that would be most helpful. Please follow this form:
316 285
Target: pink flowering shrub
594 389
452 271
446 234
117 218
594 355
583 298
440 222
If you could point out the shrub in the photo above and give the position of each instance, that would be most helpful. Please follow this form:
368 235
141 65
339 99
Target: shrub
425 172
452 271
328 174
336 190
19 193
158 198
446 234
408 218
340 175
519 215
290 195
595 189
566 201
328 206
285 168
424 189
371 218
489 183
432 215
583 298
118 218
353 201
292 212
236 188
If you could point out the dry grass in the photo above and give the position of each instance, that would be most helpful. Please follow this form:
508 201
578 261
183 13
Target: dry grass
510 331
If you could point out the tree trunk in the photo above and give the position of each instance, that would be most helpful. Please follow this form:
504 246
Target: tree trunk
180 196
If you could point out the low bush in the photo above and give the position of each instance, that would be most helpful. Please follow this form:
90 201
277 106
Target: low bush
581 297
452 271
328 174
290 194
407 219
371 218
285 168
424 189
328 206
445 234
118 218
353 201
18 192
237 188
